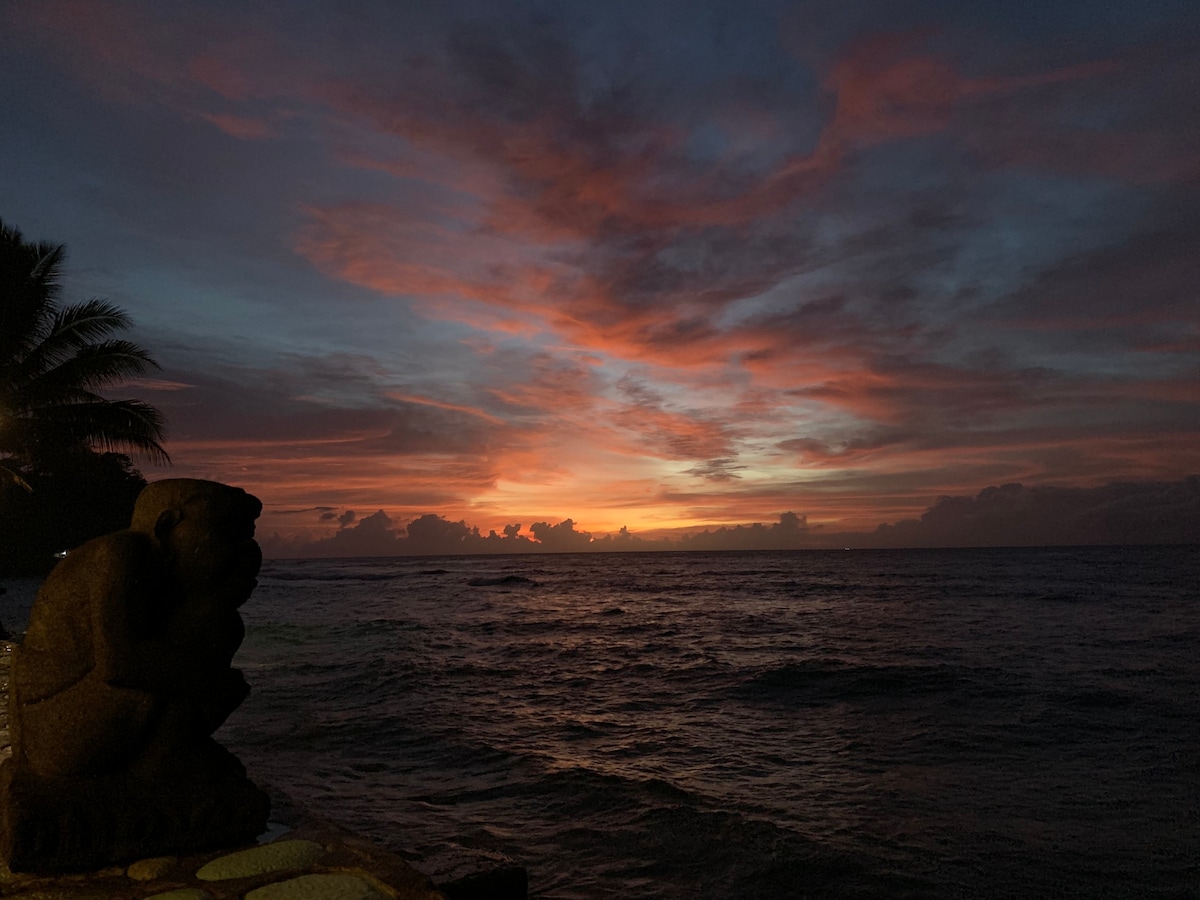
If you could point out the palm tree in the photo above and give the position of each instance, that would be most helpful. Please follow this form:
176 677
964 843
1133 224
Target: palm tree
54 361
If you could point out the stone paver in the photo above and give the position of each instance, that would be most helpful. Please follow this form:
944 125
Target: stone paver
149 869
276 857
332 886
182 894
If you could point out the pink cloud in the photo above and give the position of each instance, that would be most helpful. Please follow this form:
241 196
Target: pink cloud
241 127
439 404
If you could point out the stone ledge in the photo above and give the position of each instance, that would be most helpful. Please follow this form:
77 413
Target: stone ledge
363 871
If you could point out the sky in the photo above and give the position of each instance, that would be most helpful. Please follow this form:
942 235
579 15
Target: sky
633 271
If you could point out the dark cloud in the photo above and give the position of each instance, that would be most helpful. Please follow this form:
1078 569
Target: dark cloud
374 535
304 402
559 538
1018 516
716 470
1125 295
429 535
786 534
1145 94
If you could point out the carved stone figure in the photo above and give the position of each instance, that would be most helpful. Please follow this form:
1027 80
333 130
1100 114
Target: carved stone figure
123 676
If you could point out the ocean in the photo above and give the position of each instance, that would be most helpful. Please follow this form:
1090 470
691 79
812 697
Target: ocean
851 724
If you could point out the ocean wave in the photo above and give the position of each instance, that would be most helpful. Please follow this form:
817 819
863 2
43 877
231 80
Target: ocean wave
821 681
575 784
1092 699
503 581
270 574
660 841
829 730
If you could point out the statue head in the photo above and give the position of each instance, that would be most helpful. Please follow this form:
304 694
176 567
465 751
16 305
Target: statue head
206 533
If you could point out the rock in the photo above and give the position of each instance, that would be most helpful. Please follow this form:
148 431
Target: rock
149 869
277 857
333 886
182 894
473 874
124 674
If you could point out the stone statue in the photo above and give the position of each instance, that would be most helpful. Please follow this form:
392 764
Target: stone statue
123 676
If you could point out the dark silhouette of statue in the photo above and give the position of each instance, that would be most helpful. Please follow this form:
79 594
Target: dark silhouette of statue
124 674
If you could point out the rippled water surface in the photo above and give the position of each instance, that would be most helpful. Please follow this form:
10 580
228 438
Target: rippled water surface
992 723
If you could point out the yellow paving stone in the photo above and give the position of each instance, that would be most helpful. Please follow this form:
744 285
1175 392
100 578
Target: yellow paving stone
277 857
183 894
149 869
334 886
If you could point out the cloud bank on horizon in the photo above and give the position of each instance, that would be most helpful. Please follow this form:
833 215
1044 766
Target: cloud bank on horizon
1011 515
671 266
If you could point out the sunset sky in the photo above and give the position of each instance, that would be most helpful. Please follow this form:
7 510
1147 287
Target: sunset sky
662 265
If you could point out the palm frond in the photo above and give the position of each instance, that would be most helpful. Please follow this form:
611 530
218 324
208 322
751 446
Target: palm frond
92 367
29 286
116 425
55 361
104 425
72 328
10 475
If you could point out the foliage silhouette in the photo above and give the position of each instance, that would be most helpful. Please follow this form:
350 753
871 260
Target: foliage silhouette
61 481
94 496
54 361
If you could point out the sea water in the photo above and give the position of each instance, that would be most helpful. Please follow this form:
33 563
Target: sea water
941 724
